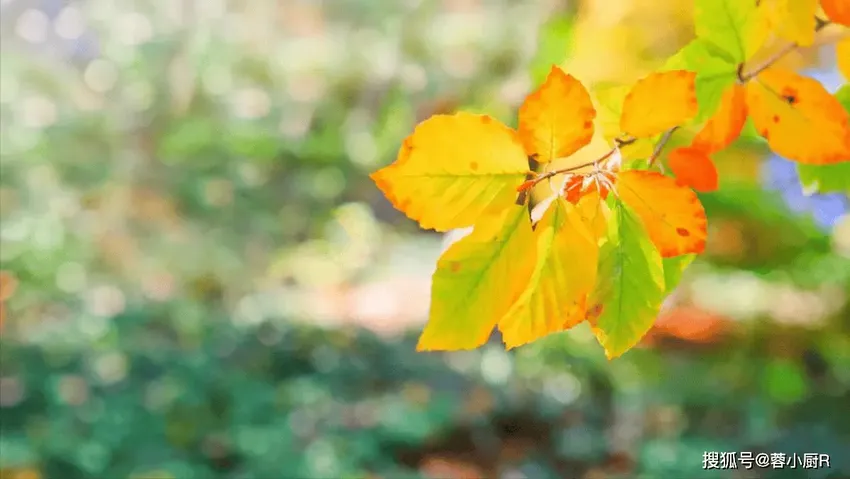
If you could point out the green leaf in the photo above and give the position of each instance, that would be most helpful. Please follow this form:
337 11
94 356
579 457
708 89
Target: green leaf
728 24
673 269
829 178
478 279
716 71
630 283
554 45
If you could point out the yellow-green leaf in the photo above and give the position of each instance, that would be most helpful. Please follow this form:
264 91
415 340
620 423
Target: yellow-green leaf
555 297
673 269
630 283
735 26
453 169
478 279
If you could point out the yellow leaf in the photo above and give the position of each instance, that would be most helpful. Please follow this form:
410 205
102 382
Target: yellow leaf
555 297
594 212
842 52
477 280
673 215
659 102
799 119
726 124
837 10
792 20
556 120
453 169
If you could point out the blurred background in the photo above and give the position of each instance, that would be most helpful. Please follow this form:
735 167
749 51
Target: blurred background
200 281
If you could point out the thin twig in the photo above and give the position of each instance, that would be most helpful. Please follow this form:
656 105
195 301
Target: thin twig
661 144
745 77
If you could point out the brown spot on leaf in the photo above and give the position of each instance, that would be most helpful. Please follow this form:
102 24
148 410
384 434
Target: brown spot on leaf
588 125
473 165
790 95
454 267
683 232
776 118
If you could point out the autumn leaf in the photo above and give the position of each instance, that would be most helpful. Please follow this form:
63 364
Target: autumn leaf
594 212
477 280
838 11
556 120
799 119
842 54
672 214
555 297
716 72
693 167
659 102
726 124
734 26
608 99
833 178
453 169
792 20
630 284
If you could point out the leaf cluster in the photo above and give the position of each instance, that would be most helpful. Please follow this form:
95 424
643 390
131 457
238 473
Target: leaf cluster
573 216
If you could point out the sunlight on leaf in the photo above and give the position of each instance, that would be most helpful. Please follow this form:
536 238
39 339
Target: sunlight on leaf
659 102
477 280
693 167
453 169
555 297
556 120
727 122
630 284
800 119
672 214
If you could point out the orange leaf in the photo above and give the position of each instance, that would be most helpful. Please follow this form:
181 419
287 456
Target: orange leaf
837 10
799 119
673 216
693 167
659 102
726 124
556 120
842 53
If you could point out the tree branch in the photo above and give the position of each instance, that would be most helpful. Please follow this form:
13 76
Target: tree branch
659 147
744 77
